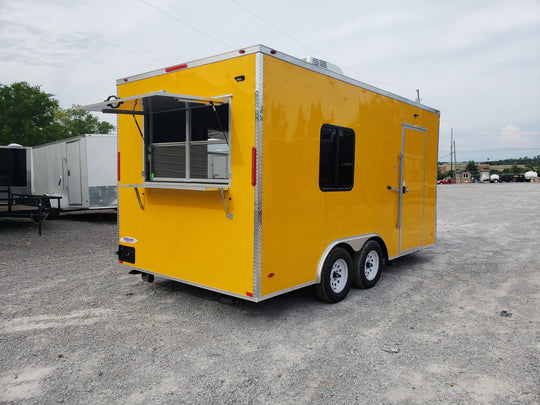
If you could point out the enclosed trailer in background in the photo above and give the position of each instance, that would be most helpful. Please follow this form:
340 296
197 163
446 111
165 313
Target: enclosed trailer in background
254 173
16 169
82 170
16 197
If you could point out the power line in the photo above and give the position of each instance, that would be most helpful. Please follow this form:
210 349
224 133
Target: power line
187 24
278 29
309 47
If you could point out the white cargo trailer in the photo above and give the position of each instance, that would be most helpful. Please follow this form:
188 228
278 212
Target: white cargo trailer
82 170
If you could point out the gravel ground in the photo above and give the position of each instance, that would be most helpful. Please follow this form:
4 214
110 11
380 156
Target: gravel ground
76 328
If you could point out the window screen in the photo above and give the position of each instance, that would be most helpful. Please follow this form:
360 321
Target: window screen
189 144
336 165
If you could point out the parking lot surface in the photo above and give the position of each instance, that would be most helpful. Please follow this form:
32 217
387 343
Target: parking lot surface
455 323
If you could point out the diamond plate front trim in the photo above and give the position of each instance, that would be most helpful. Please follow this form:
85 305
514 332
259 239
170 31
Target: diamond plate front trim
257 229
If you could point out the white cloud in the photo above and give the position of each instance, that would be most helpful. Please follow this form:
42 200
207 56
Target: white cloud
475 60
513 136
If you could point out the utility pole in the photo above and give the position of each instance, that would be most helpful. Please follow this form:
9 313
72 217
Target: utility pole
455 162
451 150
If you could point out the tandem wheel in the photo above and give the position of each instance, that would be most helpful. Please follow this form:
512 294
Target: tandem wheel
335 277
367 265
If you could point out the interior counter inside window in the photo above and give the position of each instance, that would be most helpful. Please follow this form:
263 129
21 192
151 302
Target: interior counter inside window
189 142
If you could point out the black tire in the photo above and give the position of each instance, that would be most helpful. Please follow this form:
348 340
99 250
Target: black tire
149 278
368 264
335 277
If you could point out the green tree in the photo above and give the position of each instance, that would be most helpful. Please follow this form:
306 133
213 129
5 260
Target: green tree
472 167
516 169
29 116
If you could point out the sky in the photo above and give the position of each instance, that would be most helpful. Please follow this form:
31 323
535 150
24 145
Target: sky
476 61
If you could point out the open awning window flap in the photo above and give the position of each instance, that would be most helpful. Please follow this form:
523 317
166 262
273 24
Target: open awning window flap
153 103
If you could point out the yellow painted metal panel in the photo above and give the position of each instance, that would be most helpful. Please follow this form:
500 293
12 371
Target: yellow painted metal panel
299 220
184 233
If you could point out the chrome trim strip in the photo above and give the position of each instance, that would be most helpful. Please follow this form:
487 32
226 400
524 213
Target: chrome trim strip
205 287
409 251
198 62
106 105
424 187
355 242
435 185
279 55
180 186
258 198
329 73
280 292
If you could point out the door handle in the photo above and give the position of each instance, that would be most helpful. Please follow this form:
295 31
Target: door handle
404 189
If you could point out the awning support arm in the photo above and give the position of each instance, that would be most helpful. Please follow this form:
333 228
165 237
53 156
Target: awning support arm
219 123
227 214
135 118
139 198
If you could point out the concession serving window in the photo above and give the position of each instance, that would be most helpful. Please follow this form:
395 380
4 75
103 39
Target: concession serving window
186 138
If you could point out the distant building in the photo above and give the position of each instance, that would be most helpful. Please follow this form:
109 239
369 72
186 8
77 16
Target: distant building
463 176
446 167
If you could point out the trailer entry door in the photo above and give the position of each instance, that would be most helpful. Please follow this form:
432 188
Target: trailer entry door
412 181
73 155
186 138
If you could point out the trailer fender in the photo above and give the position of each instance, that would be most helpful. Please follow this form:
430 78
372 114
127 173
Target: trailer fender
354 244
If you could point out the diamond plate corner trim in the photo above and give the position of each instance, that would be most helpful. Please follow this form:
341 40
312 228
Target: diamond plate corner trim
257 236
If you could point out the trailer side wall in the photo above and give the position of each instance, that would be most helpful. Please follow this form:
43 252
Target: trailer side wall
299 220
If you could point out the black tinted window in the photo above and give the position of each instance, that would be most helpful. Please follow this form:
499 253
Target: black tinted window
336 164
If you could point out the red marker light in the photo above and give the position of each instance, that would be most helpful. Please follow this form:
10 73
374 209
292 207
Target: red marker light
271 275
249 294
273 51
177 67
242 51
254 166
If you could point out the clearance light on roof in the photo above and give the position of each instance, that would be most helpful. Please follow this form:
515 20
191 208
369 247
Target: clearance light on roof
177 67
242 51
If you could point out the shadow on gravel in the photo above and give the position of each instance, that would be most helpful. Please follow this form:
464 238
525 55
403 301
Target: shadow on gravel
408 262
9 224
108 216
290 301
278 306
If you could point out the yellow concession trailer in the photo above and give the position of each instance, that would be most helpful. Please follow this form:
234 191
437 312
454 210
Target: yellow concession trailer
254 173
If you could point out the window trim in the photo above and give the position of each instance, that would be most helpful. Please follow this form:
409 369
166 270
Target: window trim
336 152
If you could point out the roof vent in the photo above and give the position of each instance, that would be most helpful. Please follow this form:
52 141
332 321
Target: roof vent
323 64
